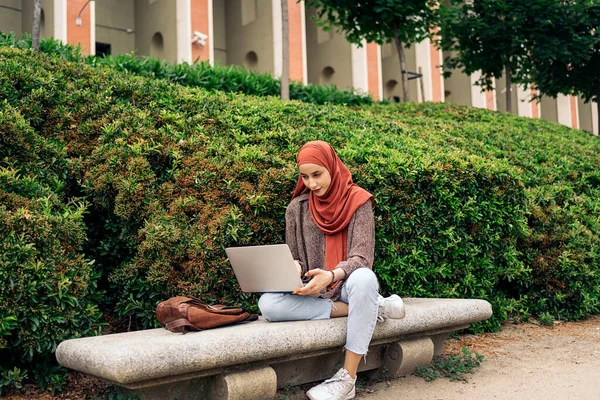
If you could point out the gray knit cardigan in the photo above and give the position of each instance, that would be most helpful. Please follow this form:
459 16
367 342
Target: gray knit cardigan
307 242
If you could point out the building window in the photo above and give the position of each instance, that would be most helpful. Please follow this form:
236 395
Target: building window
157 45
103 49
390 88
251 60
327 75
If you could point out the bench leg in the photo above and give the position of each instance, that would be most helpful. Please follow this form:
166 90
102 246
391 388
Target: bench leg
438 342
403 357
253 384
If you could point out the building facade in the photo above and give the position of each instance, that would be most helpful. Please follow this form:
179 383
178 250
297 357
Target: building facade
248 33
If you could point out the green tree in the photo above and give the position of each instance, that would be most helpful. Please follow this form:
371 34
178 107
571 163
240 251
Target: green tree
488 36
565 48
403 22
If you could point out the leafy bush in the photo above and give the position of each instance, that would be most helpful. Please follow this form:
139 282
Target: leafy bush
171 175
231 78
174 175
46 283
560 169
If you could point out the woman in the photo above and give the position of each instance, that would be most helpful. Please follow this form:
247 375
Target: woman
330 230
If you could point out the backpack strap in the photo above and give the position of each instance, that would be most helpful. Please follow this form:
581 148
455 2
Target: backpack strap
181 325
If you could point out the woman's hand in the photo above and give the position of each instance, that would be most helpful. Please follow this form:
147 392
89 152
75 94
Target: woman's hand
321 279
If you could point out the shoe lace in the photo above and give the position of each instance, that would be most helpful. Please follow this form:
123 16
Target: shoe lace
336 382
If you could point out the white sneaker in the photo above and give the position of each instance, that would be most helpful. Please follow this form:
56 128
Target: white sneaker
390 307
339 387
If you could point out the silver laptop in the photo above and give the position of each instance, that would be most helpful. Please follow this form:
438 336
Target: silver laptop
269 268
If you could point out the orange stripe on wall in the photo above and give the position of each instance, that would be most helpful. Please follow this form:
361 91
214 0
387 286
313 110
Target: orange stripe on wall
535 105
79 34
199 11
373 70
574 119
295 31
489 100
436 74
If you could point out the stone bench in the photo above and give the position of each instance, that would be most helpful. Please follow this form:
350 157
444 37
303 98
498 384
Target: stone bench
252 360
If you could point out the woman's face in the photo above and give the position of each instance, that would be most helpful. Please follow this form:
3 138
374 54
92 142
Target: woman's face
316 178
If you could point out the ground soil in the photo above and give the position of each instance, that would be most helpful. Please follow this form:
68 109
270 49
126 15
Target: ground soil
522 361
526 361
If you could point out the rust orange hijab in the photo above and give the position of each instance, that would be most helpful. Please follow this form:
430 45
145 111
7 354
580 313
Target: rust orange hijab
333 211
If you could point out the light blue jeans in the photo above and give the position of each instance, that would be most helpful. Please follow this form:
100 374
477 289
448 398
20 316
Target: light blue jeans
360 292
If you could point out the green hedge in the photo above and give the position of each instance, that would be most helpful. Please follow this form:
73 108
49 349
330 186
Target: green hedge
199 74
172 175
560 168
47 286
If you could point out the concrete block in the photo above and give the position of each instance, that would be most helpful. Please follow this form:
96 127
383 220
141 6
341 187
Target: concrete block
438 342
157 363
254 384
403 357
414 353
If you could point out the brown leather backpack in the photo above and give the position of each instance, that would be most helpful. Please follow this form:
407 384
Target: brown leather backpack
184 314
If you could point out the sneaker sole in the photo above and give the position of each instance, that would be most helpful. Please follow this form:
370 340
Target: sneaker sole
349 396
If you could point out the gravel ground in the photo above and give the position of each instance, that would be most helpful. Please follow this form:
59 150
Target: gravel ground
522 362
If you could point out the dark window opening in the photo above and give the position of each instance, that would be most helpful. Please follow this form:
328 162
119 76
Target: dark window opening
103 49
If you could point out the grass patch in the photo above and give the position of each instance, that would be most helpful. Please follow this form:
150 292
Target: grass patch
453 366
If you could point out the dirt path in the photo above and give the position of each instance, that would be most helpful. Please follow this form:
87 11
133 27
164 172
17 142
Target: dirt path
522 362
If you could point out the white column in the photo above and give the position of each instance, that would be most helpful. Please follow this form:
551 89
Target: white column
423 56
523 102
563 109
211 34
440 56
303 27
595 128
478 98
379 73
60 20
92 6
360 72
574 98
277 39
183 24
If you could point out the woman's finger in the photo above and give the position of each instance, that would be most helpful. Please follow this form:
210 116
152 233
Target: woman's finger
314 272
309 289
